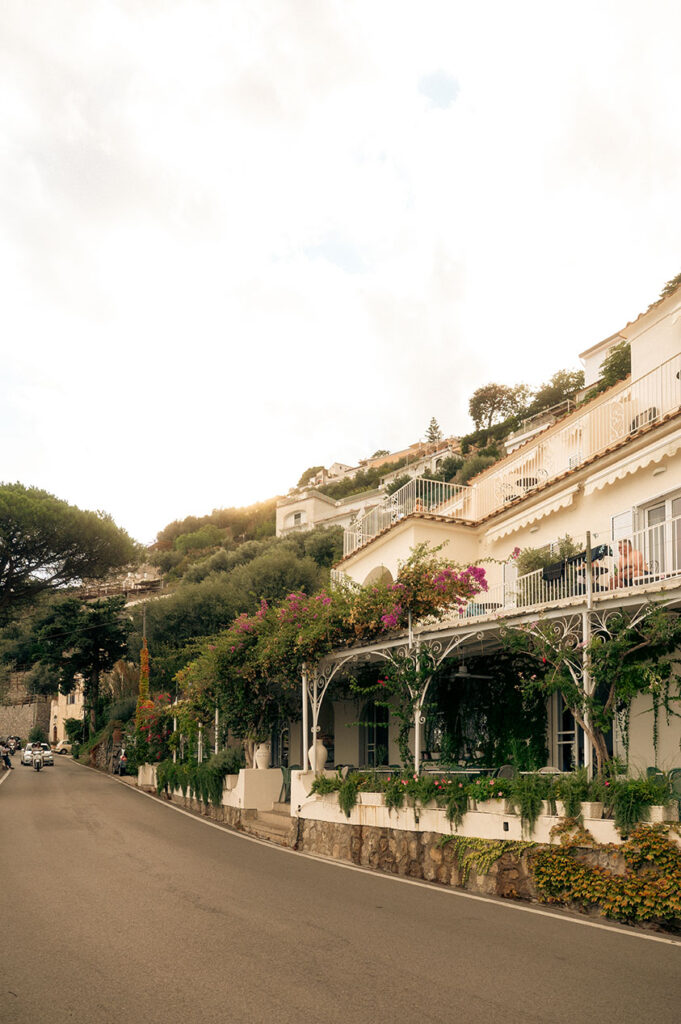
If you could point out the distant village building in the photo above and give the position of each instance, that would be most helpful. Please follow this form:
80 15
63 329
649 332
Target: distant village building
306 507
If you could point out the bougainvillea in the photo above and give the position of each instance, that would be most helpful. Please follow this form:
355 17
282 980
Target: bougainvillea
252 669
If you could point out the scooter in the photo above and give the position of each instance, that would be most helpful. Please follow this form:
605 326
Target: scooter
37 759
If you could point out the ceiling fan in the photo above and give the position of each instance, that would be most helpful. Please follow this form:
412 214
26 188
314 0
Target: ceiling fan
463 673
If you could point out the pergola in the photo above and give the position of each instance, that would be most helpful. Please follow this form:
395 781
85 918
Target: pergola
574 621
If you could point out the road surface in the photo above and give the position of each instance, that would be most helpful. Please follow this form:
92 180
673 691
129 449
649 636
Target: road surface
117 908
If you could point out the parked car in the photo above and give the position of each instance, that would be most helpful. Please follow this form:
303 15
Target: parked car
27 756
63 747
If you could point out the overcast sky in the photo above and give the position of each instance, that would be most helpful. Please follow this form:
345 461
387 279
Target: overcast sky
242 237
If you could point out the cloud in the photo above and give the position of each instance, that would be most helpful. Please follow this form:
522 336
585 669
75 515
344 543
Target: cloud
242 239
440 88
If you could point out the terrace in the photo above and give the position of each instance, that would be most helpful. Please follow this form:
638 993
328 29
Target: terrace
606 424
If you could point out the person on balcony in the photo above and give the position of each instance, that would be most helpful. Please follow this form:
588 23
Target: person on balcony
631 565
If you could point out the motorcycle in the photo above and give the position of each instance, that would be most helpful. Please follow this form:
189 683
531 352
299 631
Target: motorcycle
37 760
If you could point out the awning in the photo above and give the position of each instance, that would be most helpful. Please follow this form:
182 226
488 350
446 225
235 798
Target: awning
624 467
531 515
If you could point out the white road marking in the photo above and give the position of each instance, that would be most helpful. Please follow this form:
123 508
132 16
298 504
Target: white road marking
632 933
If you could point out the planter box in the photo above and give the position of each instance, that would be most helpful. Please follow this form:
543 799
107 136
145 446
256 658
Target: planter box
492 806
560 809
592 810
371 799
664 812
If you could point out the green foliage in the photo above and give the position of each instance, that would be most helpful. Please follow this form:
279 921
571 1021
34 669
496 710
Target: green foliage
203 781
74 639
433 433
494 402
489 720
527 794
483 789
47 544
572 789
472 466
363 480
249 523
122 710
631 800
648 890
209 536
398 482
531 559
631 655
481 854
74 729
562 385
671 286
308 474
447 470
37 735
617 364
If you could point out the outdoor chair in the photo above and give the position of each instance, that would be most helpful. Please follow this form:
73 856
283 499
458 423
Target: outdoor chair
549 769
285 791
675 783
507 771
656 773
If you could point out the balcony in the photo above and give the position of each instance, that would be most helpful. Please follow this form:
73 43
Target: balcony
645 559
604 425
427 497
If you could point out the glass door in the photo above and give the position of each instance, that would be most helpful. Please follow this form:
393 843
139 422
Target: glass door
655 539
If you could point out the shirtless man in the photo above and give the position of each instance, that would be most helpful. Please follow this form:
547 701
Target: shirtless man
631 564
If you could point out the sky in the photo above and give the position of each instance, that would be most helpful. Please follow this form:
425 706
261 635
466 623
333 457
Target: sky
242 237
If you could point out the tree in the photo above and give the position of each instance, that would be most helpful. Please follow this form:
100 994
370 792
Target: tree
77 640
492 402
380 452
629 655
670 286
47 544
433 433
617 364
561 386
308 474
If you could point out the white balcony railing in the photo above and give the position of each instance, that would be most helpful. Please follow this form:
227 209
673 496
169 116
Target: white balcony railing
419 495
641 559
601 427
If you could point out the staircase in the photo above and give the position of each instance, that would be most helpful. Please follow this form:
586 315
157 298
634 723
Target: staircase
277 825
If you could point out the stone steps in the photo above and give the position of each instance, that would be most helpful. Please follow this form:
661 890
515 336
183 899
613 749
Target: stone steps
276 825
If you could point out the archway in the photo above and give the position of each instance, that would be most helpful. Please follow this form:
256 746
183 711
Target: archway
380 574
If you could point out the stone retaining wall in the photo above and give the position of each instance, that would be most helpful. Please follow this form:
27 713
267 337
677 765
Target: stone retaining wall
418 855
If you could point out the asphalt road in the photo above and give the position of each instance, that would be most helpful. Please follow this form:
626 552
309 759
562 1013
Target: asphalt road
117 908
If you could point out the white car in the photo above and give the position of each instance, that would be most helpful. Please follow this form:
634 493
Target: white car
27 756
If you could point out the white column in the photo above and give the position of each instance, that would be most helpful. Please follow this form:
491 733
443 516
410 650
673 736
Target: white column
217 726
305 720
200 750
175 750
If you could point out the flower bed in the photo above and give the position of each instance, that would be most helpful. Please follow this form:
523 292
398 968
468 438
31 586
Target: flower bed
531 797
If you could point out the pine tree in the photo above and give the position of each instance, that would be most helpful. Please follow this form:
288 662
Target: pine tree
433 432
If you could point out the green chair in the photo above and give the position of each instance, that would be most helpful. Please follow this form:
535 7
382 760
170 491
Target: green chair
285 791
675 783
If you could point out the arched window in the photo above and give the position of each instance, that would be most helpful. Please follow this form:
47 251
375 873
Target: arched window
373 735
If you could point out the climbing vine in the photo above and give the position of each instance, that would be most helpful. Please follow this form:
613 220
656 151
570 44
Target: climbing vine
481 854
649 889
